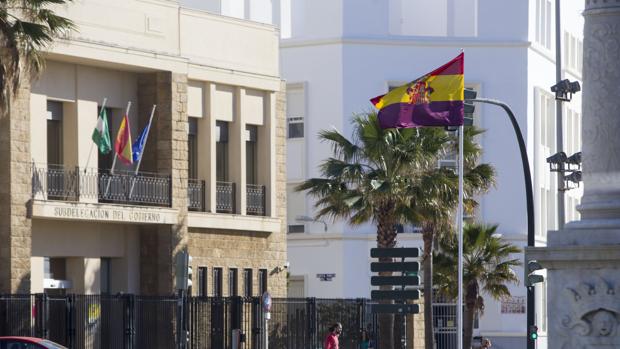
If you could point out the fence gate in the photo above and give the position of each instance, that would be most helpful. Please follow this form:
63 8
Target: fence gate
444 318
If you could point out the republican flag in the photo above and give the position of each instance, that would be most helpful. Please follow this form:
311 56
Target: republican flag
101 133
122 146
138 145
435 99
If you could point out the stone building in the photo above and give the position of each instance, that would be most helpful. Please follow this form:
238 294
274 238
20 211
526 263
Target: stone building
212 178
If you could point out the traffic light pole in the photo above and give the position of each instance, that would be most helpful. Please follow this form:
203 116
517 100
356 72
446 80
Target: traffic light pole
529 198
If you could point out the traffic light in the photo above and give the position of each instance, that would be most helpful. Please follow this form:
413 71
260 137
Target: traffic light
189 273
532 332
408 277
531 278
184 271
468 106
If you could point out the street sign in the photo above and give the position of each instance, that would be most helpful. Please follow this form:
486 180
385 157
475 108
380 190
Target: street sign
394 266
395 294
395 280
405 252
395 308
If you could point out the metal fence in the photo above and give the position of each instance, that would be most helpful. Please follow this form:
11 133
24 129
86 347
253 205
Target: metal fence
130 321
225 197
255 197
444 318
56 182
196 195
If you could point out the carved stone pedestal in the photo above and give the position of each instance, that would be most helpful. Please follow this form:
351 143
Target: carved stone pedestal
583 260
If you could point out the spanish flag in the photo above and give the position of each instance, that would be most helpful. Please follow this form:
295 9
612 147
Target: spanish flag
435 99
122 146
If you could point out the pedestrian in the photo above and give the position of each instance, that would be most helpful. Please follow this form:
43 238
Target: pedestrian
486 343
364 340
331 341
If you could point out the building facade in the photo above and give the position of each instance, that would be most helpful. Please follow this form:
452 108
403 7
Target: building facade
336 55
211 181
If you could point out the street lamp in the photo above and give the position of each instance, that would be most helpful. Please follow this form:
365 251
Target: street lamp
312 220
563 164
565 89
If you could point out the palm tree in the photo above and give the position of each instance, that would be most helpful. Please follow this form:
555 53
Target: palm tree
372 177
26 28
434 202
487 268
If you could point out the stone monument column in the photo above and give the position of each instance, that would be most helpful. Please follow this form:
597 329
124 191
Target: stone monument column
583 259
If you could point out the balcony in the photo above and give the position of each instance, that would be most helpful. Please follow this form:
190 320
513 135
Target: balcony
225 197
196 195
255 196
60 183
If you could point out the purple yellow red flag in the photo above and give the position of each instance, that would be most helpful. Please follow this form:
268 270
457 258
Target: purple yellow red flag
122 145
435 99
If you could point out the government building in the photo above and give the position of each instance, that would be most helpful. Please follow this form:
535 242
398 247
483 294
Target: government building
211 181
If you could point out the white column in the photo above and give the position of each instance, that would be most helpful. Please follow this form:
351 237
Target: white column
236 143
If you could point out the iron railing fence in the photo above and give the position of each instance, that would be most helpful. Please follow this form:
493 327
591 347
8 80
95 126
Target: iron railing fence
196 195
57 182
131 321
225 193
255 198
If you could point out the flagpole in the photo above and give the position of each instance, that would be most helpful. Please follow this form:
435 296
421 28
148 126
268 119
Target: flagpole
90 152
459 305
107 189
146 138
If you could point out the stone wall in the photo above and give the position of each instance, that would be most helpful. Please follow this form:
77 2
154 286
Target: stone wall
160 245
15 193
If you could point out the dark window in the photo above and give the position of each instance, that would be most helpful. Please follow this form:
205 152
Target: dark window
54 133
262 281
233 277
247 282
296 228
202 281
217 282
192 148
251 154
105 275
105 160
221 151
295 127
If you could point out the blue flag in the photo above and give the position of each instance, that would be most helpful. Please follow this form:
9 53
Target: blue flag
138 146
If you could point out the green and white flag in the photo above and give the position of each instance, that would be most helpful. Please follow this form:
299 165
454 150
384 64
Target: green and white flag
101 133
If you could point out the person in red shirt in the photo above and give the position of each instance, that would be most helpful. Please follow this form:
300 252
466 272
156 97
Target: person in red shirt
331 341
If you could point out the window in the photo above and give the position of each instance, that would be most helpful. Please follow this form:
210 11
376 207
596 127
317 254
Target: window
295 110
251 155
221 151
105 160
544 147
296 228
192 148
295 127
262 281
543 23
233 289
54 133
217 282
202 281
573 53
247 282
105 275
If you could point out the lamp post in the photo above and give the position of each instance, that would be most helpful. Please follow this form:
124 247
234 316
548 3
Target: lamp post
311 220
529 198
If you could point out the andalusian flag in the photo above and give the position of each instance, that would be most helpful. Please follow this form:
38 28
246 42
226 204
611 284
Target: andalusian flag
435 99
101 133
122 146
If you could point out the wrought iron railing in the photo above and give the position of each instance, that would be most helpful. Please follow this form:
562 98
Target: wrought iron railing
55 182
196 195
255 199
225 197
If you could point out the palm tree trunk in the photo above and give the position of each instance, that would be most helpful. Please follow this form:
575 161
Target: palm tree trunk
468 315
429 337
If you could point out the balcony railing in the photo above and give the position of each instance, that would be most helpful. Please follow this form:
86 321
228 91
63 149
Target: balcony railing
55 182
196 195
225 197
255 197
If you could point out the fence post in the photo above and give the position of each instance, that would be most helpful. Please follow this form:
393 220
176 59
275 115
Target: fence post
256 322
128 321
312 322
70 320
41 315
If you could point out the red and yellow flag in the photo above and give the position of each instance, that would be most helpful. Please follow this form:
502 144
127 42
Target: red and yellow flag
122 146
435 99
